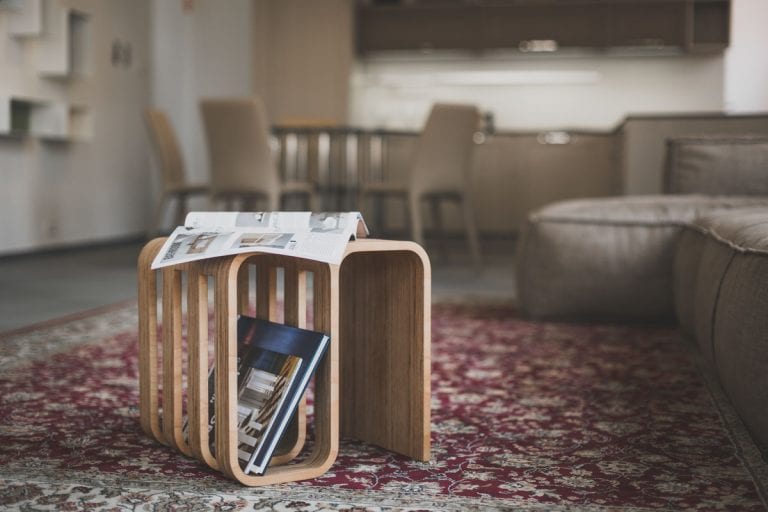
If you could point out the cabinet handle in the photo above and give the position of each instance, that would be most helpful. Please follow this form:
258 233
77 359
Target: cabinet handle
556 138
538 45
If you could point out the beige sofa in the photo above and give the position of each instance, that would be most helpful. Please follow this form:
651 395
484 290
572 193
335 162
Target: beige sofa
698 256
612 258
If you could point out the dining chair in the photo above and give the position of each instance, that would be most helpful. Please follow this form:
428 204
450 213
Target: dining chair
241 161
171 164
440 170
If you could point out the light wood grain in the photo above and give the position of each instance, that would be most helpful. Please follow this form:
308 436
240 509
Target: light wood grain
172 371
198 392
385 291
148 374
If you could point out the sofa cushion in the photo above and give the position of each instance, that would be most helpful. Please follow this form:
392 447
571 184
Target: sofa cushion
740 323
703 253
608 258
717 165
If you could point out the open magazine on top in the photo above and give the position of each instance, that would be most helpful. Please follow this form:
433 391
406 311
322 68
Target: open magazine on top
316 236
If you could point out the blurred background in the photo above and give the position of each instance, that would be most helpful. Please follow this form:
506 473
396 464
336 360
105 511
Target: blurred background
574 98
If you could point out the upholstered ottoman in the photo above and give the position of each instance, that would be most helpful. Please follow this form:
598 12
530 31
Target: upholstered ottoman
610 258
729 302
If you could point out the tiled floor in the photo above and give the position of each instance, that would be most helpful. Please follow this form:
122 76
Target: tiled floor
38 287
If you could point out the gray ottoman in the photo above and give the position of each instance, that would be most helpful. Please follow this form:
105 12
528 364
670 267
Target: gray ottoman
610 258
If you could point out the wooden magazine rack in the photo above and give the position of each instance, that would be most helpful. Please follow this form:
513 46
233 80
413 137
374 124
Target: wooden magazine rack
373 383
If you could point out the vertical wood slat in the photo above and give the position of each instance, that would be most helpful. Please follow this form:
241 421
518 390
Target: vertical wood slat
225 297
243 290
197 386
172 371
148 372
266 288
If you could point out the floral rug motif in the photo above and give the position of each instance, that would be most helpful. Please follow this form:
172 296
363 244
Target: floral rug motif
529 416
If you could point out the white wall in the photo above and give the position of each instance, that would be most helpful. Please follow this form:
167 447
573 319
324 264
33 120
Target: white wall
200 51
746 60
587 91
58 193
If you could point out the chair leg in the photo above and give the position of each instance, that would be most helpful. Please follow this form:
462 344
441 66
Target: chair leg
378 212
181 209
360 199
313 201
413 203
375 219
470 227
157 221
437 226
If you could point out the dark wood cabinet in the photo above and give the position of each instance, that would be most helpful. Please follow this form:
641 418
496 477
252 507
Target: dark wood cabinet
476 25
424 26
657 24
711 25
573 24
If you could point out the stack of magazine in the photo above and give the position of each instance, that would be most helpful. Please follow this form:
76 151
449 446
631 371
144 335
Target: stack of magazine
275 363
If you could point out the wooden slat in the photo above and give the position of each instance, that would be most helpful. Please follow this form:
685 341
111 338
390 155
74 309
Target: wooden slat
172 371
148 374
243 290
266 288
197 342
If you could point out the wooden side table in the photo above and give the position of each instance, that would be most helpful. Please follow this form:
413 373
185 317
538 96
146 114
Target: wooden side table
373 383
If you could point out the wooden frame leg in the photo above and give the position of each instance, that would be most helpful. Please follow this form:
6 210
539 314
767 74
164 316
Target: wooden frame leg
470 228
415 217
172 349
197 387
148 371
385 316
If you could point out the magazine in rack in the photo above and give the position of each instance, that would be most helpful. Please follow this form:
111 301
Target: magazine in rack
316 236
275 364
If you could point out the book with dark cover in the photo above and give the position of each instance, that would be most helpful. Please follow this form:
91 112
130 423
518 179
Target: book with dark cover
275 364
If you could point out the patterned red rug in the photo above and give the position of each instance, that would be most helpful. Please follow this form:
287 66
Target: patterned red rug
525 416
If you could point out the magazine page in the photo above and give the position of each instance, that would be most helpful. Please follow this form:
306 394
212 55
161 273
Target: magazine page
316 236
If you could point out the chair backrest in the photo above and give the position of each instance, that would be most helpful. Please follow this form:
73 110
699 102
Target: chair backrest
238 147
443 157
166 147
717 164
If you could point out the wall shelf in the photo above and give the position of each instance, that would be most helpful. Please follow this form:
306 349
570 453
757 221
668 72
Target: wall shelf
26 20
64 51
44 119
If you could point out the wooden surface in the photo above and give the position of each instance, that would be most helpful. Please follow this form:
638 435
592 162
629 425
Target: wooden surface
376 308
385 290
